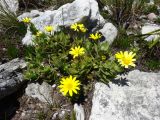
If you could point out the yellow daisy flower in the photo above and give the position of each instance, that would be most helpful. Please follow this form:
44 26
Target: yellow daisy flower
95 36
78 27
126 58
49 28
77 51
119 55
103 57
39 33
75 27
69 85
26 20
82 28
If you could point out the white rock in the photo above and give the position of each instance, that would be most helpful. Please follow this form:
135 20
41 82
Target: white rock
27 40
151 2
55 115
139 100
12 5
150 28
79 112
41 91
32 14
109 31
77 11
62 114
54 86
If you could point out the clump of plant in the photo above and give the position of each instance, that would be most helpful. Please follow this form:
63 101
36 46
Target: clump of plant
42 4
11 32
150 9
72 59
9 21
149 50
123 40
158 20
157 2
122 12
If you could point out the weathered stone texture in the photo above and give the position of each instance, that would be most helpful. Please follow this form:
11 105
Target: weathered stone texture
140 100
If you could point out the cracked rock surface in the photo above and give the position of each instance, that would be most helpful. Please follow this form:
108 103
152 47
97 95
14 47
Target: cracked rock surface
77 11
11 77
138 99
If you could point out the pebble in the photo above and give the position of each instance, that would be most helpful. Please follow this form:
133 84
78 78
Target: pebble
152 16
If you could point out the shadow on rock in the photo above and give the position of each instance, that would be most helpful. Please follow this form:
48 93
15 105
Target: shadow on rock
10 104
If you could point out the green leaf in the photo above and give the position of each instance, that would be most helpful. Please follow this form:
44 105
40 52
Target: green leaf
104 46
12 51
152 43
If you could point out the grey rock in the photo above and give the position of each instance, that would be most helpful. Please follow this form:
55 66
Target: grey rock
62 114
150 28
139 100
55 115
79 112
109 31
41 91
31 14
152 16
4 49
77 11
11 78
12 5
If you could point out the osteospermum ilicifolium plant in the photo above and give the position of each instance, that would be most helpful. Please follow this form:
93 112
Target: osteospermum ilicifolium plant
73 58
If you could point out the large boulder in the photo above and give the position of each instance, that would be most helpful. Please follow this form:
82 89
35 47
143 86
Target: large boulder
11 78
12 5
138 99
77 11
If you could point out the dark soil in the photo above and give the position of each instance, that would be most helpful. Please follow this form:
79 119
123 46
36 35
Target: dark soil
19 106
10 47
